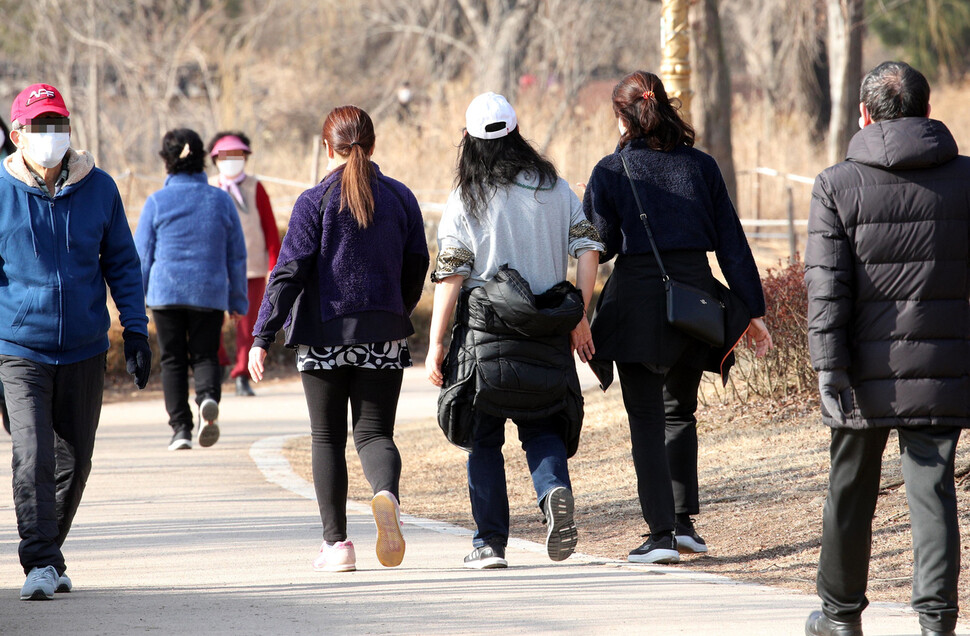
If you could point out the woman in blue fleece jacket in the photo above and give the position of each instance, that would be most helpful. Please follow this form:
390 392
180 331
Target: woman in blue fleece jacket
193 264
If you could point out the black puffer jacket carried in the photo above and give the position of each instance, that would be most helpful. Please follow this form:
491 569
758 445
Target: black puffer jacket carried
888 275
510 357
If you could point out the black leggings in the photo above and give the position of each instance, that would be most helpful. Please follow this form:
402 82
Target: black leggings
373 395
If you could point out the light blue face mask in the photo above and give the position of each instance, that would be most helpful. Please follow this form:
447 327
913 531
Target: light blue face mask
47 148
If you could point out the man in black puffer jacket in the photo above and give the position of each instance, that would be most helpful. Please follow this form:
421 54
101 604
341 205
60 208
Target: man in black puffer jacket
888 276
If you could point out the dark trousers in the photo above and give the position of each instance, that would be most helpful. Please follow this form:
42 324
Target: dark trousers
54 412
373 395
928 455
663 436
545 452
188 338
244 327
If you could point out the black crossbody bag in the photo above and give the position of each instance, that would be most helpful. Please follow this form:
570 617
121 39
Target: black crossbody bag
689 309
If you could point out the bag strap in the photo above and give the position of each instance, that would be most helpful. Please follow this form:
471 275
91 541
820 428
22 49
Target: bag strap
643 219
325 200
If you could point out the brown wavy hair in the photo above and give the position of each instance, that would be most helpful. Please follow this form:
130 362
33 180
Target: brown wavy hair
640 98
349 131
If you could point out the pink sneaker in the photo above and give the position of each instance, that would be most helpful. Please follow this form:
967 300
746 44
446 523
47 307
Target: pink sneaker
390 541
339 557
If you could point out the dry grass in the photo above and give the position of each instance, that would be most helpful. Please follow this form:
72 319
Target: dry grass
763 474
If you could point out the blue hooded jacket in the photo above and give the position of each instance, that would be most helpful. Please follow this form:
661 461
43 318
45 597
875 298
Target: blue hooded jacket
192 247
56 254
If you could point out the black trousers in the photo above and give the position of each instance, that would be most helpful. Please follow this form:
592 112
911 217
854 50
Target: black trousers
372 395
188 338
54 412
928 455
663 434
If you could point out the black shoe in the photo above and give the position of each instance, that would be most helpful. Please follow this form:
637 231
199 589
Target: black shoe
242 386
926 631
561 534
486 558
658 548
818 624
181 440
688 541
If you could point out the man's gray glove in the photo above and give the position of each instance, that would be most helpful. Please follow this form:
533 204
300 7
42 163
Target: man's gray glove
138 357
836 394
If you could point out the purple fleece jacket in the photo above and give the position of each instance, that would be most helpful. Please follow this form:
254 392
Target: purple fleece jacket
329 268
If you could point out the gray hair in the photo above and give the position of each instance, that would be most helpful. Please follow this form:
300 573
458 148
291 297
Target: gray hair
893 90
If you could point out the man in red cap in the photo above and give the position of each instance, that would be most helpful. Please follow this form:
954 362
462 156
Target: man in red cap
66 239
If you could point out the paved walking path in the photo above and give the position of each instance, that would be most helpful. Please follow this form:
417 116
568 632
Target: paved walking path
219 540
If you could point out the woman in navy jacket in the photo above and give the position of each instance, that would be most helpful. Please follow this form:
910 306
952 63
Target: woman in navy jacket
660 368
349 273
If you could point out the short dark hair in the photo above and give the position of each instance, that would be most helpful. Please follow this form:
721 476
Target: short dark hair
225 133
893 90
173 151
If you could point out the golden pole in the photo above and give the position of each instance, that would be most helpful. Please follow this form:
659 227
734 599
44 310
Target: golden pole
675 49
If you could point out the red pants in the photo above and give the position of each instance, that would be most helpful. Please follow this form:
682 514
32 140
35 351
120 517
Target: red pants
244 330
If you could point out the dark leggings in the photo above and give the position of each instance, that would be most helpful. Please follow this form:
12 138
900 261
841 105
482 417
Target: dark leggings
373 395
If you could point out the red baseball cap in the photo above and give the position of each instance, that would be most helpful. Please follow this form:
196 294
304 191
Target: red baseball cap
35 100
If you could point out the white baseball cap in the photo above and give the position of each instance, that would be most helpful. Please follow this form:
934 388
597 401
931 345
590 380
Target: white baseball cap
490 116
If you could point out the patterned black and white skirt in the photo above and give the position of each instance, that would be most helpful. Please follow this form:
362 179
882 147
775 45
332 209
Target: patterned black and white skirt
373 355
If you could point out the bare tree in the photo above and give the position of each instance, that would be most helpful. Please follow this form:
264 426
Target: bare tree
845 31
712 89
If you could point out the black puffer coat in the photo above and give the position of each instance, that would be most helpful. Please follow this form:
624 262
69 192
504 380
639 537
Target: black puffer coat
888 275
510 357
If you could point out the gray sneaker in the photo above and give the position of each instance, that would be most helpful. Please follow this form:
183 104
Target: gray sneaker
40 584
486 558
561 534
64 584
208 426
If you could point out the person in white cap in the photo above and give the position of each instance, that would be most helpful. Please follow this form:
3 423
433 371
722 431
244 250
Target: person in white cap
510 208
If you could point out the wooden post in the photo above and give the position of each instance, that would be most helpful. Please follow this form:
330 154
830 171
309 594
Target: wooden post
675 51
792 240
757 180
315 170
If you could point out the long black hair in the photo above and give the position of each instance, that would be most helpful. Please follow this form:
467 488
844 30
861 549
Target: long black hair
485 165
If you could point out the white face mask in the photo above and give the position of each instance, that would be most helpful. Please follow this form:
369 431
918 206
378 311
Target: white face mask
619 124
47 149
230 167
862 122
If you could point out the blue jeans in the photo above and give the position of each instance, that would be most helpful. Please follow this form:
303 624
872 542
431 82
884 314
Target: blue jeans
545 452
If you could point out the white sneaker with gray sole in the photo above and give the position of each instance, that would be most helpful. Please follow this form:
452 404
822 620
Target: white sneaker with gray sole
209 429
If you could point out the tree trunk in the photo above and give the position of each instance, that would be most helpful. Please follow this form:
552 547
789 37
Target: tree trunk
845 30
712 90
502 43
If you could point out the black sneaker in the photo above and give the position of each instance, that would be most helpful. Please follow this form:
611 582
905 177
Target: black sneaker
181 440
561 534
243 388
658 548
688 541
486 558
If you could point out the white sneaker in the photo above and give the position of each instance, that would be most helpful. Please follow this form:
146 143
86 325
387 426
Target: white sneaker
209 429
40 584
387 516
339 557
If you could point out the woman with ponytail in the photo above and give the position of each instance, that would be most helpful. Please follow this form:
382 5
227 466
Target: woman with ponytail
690 214
350 271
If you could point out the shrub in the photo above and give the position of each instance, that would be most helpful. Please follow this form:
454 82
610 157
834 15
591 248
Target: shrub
787 369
